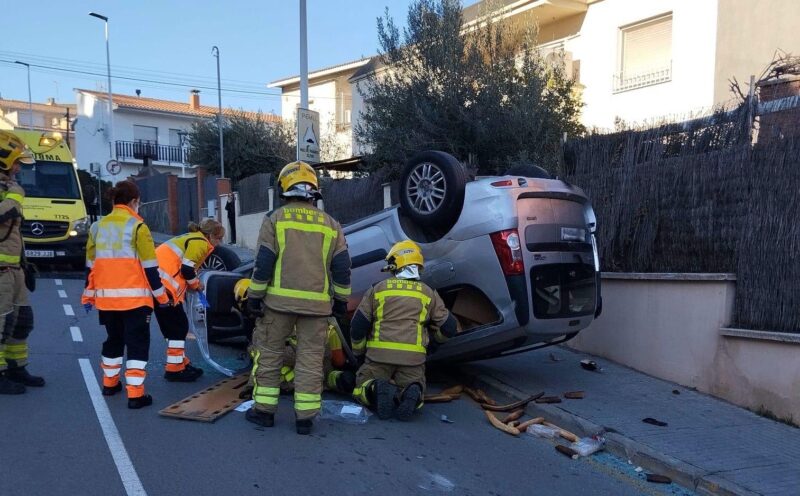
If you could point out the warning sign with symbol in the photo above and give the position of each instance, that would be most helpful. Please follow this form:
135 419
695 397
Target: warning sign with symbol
308 136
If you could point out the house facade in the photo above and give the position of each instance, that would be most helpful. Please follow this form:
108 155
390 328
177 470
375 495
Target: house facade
331 94
146 130
50 116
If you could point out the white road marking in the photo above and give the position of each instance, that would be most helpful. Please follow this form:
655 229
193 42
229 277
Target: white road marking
76 334
68 310
62 293
127 472
59 282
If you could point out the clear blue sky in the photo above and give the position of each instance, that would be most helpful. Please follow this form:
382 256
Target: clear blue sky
170 41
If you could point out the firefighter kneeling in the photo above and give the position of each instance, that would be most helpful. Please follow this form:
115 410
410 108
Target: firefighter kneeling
391 325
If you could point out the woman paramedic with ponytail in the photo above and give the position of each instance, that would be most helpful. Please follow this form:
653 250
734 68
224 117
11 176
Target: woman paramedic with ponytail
178 261
122 282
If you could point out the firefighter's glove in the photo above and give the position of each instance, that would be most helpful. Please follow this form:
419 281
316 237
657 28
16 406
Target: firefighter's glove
339 309
254 308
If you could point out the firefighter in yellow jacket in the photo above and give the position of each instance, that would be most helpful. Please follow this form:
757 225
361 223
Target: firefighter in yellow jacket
178 261
391 325
301 276
16 315
122 282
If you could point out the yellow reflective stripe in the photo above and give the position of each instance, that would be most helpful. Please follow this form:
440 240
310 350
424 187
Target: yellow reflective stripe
341 290
258 286
330 380
14 259
329 234
386 345
359 344
17 351
266 395
175 249
14 196
287 373
307 401
360 392
297 293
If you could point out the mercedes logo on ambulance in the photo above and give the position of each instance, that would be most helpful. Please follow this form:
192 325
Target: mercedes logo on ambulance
37 228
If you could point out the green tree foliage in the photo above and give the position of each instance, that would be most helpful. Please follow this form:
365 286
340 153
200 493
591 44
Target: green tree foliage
251 145
482 90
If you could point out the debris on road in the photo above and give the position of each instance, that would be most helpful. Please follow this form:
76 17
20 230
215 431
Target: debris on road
658 479
587 446
548 399
344 411
675 391
440 398
574 395
564 450
479 396
516 414
494 407
652 421
501 426
446 419
564 433
554 358
590 365
211 403
523 426
543 431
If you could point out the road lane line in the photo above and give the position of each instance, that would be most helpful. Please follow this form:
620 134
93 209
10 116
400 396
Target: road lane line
58 282
76 334
68 310
62 293
127 472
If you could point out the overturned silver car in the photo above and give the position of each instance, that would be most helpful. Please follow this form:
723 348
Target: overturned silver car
514 257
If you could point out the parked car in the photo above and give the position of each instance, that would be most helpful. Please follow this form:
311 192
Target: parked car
514 257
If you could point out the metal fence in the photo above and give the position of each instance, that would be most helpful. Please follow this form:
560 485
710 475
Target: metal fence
253 193
156 216
153 188
700 197
348 200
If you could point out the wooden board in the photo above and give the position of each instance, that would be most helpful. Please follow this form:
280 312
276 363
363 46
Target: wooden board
211 403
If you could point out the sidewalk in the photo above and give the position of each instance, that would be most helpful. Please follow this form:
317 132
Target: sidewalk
709 445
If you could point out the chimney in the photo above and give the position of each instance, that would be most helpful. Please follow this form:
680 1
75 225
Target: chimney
51 101
194 99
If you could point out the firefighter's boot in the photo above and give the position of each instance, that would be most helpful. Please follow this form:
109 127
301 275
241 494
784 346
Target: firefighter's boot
303 426
410 400
20 375
385 393
188 374
264 419
7 386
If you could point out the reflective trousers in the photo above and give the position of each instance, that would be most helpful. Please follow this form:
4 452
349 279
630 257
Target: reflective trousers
128 334
174 327
269 344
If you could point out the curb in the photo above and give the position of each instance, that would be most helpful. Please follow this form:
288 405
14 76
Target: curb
685 474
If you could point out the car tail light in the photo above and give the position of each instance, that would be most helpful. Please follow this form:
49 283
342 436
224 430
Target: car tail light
503 183
507 246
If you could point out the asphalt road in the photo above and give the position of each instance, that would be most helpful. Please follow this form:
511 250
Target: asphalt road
54 443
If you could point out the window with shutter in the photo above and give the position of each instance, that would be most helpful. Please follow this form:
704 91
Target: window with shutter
645 54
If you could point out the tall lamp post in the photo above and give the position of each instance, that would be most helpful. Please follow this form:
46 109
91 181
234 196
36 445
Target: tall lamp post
30 100
215 53
111 153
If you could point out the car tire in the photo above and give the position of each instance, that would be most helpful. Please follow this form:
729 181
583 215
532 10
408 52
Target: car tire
222 258
432 188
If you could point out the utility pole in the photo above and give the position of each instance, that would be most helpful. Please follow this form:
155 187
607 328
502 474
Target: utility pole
303 66
215 53
30 100
111 151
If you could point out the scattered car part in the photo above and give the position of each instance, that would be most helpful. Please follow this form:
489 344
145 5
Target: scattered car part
211 403
198 325
652 421
658 479
548 399
446 419
589 365
574 395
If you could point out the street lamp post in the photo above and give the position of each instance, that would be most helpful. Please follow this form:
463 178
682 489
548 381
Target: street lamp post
215 53
30 100
111 151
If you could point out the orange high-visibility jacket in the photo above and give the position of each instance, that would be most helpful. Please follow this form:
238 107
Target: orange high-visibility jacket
190 250
119 249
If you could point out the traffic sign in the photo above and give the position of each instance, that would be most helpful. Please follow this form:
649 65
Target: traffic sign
113 167
308 136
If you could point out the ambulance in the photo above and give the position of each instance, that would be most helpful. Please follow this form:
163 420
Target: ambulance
56 227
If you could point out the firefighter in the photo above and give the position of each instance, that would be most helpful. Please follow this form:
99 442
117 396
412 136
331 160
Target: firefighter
178 261
16 314
334 363
391 326
301 276
121 282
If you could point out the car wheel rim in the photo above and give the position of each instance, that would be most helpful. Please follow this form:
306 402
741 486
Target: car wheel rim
426 188
214 263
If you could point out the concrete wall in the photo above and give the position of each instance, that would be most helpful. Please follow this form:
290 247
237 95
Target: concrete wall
749 33
247 230
669 326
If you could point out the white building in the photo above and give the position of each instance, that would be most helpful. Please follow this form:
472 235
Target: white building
144 129
50 116
637 61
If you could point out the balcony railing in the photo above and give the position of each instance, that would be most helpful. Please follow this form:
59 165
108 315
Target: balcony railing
625 81
154 151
